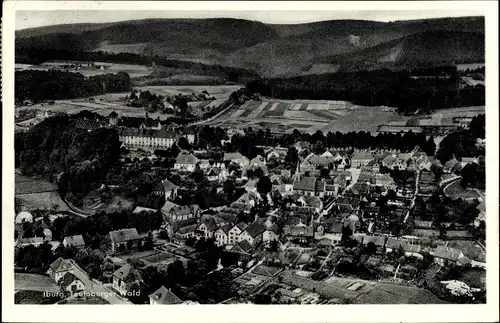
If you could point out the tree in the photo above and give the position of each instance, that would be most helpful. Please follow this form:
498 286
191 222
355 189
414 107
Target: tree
184 144
325 173
292 157
264 186
469 175
91 261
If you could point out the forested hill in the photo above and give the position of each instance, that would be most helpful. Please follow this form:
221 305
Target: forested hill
272 50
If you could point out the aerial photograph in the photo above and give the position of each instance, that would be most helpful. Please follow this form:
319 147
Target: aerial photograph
168 157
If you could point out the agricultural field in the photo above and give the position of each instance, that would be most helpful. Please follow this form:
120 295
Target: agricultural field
200 107
306 115
103 105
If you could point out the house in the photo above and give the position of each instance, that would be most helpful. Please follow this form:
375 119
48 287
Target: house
271 234
451 165
300 232
207 228
189 134
410 249
446 255
185 162
72 284
47 235
23 217
253 233
124 277
59 268
173 213
274 154
251 185
164 296
468 160
236 158
221 235
247 200
305 186
166 188
420 161
140 209
242 247
258 161
385 180
188 231
235 231
121 241
364 239
361 158
74 241
147 138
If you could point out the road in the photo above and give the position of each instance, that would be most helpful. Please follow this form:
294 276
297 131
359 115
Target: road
75 210
412 204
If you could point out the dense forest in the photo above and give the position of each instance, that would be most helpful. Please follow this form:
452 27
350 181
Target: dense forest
371 88
53 85
40 55
73 157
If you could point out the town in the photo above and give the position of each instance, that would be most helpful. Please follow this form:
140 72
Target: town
233 161
247 216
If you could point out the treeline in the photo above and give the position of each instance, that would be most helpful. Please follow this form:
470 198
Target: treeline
41 55
53 85
248 144
374 88
463 143
75 158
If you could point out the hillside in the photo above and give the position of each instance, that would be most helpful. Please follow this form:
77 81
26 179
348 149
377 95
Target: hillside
427 48
274 50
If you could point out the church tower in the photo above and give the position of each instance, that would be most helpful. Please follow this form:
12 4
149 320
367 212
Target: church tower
297 171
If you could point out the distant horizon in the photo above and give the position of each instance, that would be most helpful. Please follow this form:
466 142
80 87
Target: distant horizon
37 19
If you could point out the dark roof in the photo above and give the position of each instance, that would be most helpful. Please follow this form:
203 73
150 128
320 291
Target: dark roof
244 245
299 230
127 273
320 186
87 124
113 114
60 264
255 228
165 296
68 279
305 184
149 133
123 235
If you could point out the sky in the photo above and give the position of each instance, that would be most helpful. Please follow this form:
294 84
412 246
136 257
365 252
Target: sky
29 19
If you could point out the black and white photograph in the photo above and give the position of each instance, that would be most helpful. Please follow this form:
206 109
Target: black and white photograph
258 157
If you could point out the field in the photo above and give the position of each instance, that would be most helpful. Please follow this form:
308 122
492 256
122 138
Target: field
103 105
454 190
305 115
34 194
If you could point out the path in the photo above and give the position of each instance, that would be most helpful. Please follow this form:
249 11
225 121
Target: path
412 204
75 210
202 122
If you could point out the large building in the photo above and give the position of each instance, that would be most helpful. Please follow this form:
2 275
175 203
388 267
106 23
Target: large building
148 138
